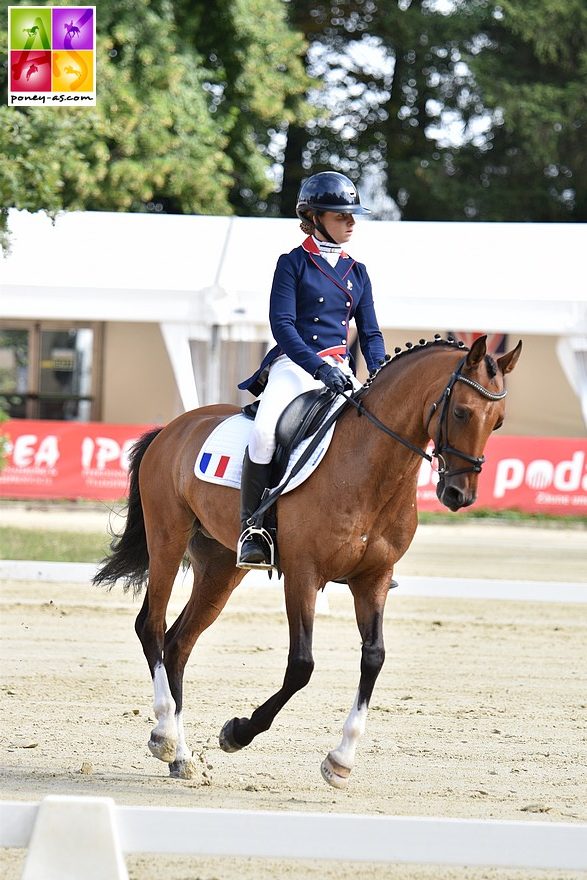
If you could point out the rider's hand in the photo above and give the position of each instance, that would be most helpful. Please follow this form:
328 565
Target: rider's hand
332 377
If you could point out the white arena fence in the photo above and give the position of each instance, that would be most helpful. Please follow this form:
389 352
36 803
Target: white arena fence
435 587
70 838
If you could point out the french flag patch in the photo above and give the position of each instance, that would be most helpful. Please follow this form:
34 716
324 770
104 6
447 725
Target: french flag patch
214 464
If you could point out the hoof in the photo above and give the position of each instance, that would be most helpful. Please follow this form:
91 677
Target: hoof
226 737
162 748
335 774
184 769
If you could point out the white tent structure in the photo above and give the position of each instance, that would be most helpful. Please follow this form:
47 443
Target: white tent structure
202 278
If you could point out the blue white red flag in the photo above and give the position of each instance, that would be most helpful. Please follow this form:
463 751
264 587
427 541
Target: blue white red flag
213 464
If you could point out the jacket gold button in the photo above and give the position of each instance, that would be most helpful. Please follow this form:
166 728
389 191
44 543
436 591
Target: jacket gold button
347 304
343 341
316 320
320 299
343 323
314 338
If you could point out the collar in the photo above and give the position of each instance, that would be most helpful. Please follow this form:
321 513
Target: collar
311 247
327 246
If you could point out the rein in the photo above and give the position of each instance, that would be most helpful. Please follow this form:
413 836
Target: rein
440 448
361 411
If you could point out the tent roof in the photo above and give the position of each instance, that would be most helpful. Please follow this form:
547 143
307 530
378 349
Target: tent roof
499 277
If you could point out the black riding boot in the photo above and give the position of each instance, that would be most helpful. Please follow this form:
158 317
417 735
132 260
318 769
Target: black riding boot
254 480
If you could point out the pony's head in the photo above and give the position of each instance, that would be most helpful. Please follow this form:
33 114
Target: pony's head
461 419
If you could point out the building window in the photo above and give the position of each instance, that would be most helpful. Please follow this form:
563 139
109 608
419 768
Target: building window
49 370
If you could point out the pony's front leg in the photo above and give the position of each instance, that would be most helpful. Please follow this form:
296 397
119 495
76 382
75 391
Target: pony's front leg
336 767
300 606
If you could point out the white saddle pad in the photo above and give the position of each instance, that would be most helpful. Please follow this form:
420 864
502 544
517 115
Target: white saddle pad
221 458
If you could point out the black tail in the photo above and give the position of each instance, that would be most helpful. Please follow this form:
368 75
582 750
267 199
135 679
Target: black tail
129 558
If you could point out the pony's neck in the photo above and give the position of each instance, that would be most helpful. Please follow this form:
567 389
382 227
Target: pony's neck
402 392
400 396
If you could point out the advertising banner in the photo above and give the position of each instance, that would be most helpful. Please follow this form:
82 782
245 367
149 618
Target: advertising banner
90 460
530 474
67 459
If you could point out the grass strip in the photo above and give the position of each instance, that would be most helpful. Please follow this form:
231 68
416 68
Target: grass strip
52 546
69 546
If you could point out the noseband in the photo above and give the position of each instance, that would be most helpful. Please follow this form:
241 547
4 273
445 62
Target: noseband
442 446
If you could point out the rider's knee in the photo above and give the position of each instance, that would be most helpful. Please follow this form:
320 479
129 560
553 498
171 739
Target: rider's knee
261 446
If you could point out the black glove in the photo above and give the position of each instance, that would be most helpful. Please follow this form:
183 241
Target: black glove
332 377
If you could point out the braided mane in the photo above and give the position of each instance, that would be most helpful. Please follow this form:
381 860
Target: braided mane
437 342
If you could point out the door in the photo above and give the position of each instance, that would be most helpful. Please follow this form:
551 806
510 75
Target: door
50 370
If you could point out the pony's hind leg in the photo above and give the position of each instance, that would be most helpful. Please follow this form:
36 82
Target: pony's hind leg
369 606
167 538
300 605
215 577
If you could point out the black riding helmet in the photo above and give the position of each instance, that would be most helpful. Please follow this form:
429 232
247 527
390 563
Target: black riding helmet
328 191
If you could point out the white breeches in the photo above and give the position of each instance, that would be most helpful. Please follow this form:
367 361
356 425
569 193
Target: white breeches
286 380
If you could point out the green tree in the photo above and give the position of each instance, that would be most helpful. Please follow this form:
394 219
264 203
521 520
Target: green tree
529 62
391 70
329 28
172 130
150 137
472 111
257 81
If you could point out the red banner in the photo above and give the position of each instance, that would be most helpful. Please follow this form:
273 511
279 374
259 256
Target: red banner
90 460
531 474
67 459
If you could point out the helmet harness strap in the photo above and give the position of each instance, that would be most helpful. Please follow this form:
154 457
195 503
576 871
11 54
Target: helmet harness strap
321 228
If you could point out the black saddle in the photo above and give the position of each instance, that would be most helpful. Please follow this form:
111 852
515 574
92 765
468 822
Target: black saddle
300 419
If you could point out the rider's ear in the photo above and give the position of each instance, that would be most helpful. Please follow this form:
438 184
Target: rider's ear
478 352
507 362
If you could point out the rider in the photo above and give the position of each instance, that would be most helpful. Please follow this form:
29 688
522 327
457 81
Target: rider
317 289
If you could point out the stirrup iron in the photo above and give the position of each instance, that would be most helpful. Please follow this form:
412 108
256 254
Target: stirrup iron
256 532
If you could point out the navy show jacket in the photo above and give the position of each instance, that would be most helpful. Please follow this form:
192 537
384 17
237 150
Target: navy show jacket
310 308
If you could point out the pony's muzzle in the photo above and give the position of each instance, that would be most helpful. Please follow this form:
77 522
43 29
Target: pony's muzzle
454 497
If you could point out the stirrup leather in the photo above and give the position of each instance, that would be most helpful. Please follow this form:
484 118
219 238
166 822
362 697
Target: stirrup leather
254 532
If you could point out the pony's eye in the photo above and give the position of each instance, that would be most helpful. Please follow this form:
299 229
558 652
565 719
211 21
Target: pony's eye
460 413
498 425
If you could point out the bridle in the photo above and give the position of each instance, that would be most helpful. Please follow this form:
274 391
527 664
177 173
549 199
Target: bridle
442 446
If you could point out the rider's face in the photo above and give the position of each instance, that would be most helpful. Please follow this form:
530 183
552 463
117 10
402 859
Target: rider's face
339 226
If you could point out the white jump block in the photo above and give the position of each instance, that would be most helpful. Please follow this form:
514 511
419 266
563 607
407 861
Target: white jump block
74 838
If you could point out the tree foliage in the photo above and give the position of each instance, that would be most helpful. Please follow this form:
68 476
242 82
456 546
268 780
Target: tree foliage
471 110
531 75
257 82
462 109
187 95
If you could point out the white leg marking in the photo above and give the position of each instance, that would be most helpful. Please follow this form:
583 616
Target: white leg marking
353 730
164 705
182 765
182 752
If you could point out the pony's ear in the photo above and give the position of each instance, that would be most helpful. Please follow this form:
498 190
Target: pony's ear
507 362
478 352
